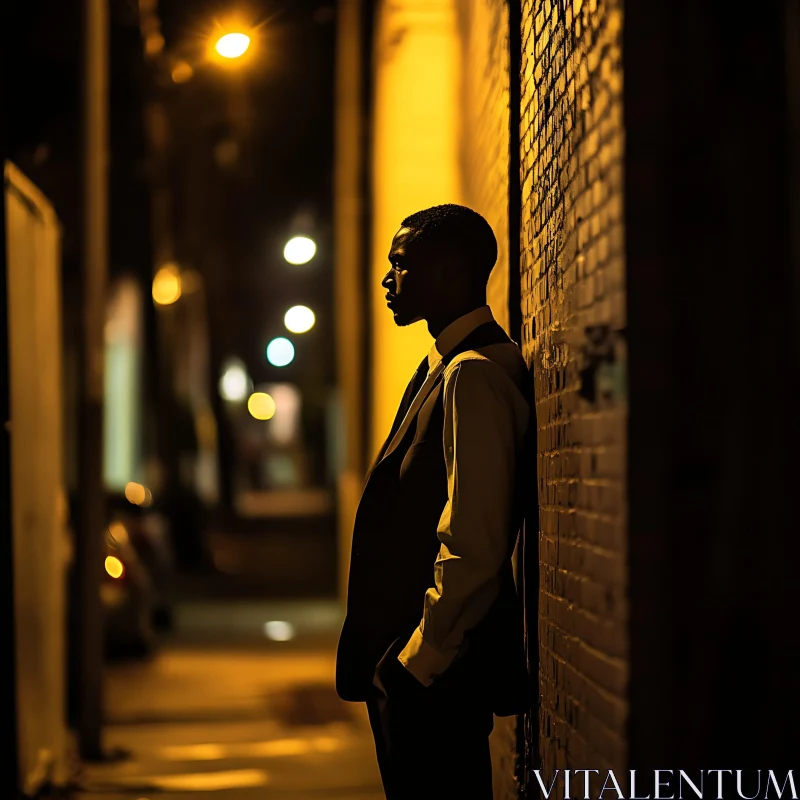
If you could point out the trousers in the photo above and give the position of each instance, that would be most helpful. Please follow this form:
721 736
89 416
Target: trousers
432 743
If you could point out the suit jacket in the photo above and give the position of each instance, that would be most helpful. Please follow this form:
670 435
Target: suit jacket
395 545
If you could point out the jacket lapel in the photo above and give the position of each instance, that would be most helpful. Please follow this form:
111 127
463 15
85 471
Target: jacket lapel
486 334
483 335
412 412
402 409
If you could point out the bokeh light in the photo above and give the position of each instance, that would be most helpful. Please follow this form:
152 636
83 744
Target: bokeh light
233 45
114 567
182 72
280 352
154 44
285 427
299 250
167 285
261 406
299 319
279 630
234 383
135 493
119 533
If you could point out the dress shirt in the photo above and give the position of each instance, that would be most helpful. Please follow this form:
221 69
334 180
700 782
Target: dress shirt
485 419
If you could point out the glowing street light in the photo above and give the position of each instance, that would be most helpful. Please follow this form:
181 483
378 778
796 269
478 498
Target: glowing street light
280 352
299 319
234 383
232 45
299 250
167 285
261 406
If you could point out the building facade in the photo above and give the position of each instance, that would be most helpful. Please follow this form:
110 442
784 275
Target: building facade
606 145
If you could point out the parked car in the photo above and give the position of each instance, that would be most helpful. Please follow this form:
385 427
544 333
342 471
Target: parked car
148 531
137 568
127 595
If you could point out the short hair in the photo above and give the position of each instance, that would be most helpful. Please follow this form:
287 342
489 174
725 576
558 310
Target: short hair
459 230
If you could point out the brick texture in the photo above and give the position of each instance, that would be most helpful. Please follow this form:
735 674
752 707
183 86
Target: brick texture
573 309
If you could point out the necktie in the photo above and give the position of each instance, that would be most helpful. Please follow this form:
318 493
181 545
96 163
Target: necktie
412 390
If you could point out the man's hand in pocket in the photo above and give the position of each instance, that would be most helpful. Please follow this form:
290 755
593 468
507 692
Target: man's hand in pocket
392 677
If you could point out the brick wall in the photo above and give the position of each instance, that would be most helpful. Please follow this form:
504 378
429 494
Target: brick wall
573 307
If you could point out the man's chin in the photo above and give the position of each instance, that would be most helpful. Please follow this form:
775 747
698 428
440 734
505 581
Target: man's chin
402 320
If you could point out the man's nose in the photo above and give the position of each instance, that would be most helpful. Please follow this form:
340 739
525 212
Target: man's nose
388 281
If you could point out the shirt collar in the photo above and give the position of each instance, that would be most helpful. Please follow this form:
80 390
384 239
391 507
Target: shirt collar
456 332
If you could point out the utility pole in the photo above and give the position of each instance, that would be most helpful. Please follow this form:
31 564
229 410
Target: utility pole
349 221
91 516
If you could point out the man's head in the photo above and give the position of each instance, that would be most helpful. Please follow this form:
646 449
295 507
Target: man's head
440 261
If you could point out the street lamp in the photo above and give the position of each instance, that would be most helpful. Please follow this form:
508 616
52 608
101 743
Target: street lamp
232 45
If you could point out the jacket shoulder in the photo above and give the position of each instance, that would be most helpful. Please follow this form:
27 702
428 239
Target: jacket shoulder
506 357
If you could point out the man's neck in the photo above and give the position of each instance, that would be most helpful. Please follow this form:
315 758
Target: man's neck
438 323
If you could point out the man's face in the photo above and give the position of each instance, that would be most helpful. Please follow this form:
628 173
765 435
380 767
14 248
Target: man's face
410 281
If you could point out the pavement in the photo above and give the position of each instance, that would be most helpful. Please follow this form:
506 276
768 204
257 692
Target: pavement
237 703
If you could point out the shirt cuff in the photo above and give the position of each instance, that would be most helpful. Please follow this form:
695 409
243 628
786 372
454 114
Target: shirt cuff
423 660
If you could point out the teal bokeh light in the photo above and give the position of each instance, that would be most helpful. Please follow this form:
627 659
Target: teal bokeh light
280 352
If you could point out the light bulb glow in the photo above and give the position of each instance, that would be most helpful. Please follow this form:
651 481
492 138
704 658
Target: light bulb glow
299 250
280 352
299 319
233 45
261 406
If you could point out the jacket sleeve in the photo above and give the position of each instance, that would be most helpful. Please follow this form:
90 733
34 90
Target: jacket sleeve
480 446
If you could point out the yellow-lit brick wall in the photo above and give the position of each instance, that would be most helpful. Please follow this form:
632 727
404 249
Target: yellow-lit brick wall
484 132
573 308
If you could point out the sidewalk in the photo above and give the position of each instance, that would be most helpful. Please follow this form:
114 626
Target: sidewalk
223 711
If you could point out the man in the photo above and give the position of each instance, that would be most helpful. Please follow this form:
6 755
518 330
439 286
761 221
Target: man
432 640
